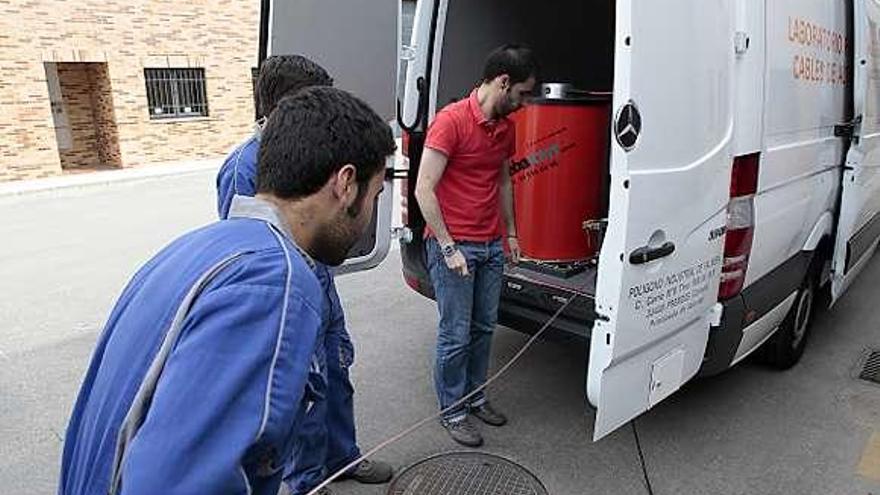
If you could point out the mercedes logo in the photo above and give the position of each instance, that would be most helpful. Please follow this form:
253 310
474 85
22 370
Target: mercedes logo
628 126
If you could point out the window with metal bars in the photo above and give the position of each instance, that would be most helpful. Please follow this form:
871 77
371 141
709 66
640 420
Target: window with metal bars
176 93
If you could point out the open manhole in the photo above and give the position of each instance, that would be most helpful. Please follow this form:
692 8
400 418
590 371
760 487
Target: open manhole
871 370
466 473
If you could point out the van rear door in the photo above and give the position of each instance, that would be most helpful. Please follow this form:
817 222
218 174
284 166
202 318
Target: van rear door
858 227
358 42
671 159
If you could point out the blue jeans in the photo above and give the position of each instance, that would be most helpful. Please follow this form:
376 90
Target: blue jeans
326 441
468 314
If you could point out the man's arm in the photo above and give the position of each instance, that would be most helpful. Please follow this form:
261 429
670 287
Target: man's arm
235 374
225 189
430 171
507 208
237 176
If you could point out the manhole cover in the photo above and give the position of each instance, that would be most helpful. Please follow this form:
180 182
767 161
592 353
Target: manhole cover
871 370
466 473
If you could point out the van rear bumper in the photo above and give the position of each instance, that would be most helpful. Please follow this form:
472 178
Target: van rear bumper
755 301
724 339
527 306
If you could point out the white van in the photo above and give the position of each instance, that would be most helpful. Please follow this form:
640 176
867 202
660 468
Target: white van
743 166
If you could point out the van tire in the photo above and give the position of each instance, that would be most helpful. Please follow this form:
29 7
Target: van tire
785 348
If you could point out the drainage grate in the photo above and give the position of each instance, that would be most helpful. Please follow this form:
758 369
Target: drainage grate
466 473
871 370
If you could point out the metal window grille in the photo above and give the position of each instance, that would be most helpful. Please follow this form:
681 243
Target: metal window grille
176 93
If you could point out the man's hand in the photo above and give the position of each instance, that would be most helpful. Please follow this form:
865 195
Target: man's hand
513 248
457 263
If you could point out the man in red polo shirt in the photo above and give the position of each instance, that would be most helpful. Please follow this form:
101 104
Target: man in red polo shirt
462 189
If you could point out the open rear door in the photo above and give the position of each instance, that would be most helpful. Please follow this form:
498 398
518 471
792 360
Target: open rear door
358 42
671 162
858 227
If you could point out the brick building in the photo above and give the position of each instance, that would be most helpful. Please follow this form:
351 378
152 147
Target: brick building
112 83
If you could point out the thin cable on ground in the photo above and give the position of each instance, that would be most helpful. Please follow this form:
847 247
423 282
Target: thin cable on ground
464 399
642 459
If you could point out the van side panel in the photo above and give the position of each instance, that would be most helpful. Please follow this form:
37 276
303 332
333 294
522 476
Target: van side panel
806 95
858 226
749 77
823 229
804 44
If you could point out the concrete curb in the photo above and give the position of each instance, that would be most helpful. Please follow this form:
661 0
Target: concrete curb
103 178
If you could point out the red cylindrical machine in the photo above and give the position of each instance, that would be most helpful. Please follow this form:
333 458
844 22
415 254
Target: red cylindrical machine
558 173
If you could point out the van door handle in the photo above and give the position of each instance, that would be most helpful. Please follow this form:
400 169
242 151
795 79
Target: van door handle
647 254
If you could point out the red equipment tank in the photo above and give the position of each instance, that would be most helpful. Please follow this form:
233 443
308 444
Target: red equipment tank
558 172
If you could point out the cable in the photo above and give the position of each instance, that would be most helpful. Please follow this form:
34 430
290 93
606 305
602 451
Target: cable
642 459
464 399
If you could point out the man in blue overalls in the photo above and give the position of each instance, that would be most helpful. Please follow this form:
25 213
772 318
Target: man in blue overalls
329 438
207 364
280 76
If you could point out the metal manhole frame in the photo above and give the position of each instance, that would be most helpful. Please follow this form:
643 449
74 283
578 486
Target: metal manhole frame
403 490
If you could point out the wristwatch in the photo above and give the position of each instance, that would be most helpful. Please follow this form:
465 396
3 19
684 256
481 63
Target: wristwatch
448 250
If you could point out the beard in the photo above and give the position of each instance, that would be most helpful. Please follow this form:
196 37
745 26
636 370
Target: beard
335 240
506 107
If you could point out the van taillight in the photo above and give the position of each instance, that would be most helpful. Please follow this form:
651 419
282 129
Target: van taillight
744 179
740 225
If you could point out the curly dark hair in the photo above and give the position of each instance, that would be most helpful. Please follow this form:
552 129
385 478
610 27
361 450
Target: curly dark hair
284 75
313 134
516 61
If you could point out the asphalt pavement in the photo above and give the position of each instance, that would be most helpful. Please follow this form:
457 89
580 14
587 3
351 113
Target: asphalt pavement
66 254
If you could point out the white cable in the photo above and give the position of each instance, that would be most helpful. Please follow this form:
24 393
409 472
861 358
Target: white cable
464 399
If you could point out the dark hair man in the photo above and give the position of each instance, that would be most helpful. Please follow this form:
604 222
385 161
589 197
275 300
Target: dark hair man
206 365
465 193
329 437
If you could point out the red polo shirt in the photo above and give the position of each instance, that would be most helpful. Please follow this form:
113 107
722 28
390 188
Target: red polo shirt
476 148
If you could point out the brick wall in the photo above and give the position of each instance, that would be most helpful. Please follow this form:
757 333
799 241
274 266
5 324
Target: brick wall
128 36
78 91
88 103
104 114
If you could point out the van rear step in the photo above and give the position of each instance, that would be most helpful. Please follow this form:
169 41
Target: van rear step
530 298
562 270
